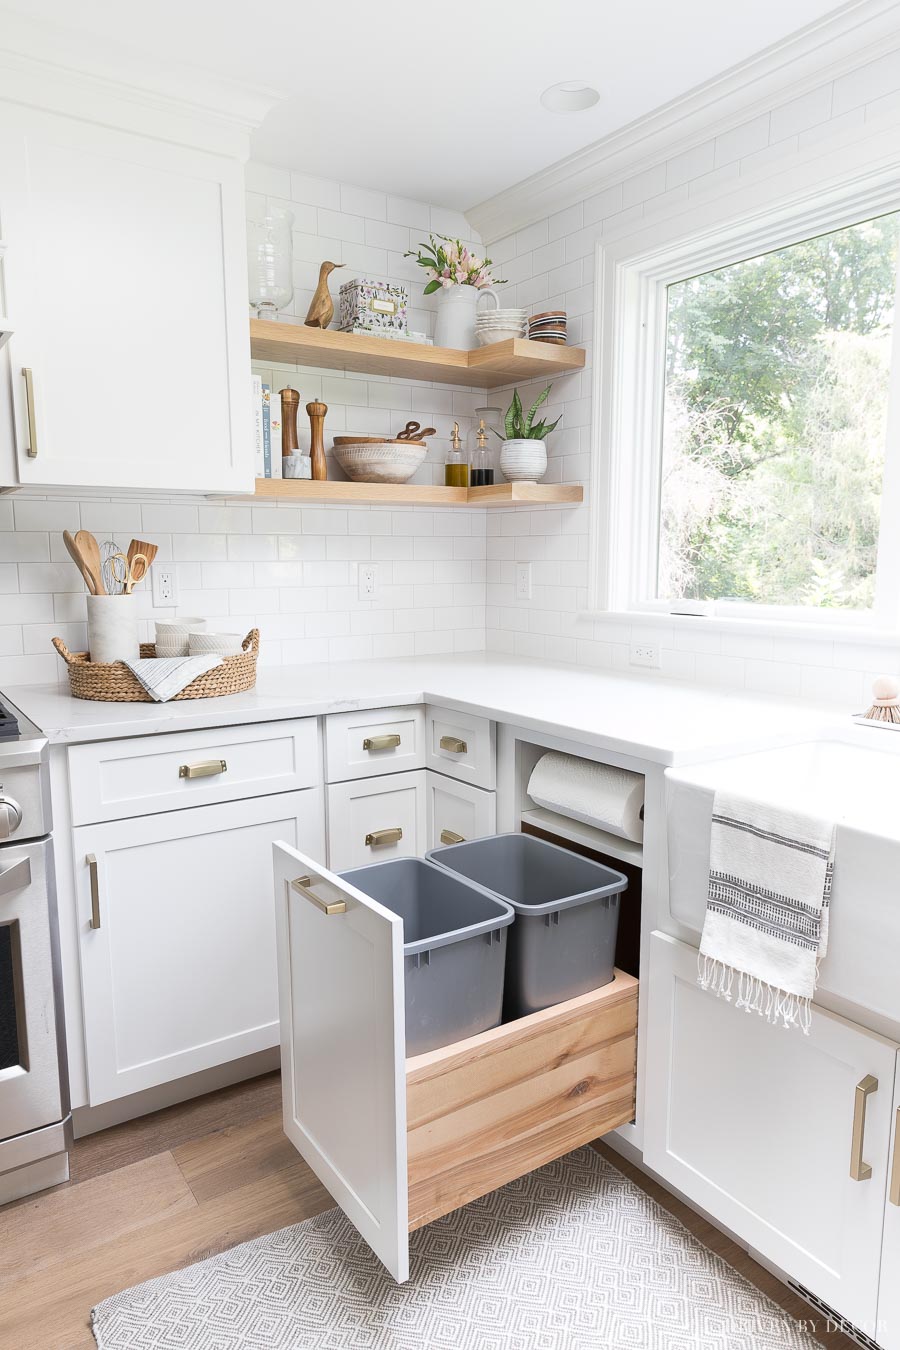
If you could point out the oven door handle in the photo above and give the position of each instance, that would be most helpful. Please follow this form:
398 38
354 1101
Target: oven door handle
14 877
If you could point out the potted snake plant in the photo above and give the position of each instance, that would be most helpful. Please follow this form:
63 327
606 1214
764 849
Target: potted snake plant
523 454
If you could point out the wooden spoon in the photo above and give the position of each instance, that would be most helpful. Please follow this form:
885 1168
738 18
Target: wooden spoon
79 562
148 551
90 555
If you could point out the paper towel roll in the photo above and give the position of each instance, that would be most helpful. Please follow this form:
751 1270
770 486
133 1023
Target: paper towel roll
596 794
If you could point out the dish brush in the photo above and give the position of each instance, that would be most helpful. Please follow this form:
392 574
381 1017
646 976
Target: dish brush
885 700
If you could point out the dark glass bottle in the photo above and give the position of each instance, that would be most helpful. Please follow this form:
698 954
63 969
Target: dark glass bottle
481 472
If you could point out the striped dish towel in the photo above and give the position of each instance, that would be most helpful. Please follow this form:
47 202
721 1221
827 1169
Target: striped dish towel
165 676
766 925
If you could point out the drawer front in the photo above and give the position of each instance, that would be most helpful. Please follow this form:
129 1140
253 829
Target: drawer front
376 819
380 741
461 745
115 780
457 811
485 1111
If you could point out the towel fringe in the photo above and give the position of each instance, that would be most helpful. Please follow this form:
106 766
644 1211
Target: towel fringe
754 995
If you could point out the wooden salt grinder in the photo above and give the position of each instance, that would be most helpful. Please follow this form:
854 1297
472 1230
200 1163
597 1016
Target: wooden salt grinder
317 413
290 406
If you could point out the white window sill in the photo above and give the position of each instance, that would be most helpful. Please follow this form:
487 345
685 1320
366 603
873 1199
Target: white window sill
798 630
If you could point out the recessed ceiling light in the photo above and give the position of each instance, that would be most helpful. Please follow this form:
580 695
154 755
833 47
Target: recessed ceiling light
569 96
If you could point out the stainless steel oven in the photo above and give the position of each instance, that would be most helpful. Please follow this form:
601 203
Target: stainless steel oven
34 1108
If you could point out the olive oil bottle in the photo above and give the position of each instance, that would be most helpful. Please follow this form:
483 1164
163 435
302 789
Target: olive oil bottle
456 468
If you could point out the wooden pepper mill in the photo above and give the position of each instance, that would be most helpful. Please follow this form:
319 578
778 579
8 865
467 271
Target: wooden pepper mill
290 406
317 413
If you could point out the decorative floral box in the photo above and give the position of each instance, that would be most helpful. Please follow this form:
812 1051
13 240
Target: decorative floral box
373 305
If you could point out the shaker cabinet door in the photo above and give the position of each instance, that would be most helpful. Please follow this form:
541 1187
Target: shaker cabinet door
457 811
180 974
781 1137
343 1046
125 282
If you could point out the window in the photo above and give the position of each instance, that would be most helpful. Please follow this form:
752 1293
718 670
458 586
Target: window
758 439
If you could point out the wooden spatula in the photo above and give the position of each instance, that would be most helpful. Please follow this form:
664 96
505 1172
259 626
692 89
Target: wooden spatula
148 550
79 562
89 550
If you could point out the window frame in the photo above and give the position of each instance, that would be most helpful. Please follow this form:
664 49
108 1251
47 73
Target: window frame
632 276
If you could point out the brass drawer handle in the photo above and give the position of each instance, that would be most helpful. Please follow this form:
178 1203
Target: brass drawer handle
894 1193
377 838
454 745
859 1170
302 886
93 870
32 450
204 768
451 837
388 742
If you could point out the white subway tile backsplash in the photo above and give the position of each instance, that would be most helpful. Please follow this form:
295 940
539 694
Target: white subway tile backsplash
742 140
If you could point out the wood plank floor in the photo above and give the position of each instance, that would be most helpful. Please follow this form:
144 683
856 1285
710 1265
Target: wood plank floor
159 1193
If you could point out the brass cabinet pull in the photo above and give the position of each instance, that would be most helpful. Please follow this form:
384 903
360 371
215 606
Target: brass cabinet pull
204 768
388 742
379 837
894 1192
91 861
451 837
302 886
454 745
32 450
859 1170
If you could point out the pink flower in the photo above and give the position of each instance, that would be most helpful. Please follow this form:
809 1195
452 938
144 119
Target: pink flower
431 274
462 275
446 281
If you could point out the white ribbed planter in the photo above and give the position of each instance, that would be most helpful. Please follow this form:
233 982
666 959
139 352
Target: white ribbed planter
523 461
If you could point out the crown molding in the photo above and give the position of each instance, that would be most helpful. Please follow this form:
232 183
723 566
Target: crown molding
858 32
59 70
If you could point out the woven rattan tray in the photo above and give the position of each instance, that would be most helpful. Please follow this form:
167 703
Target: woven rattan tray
114 683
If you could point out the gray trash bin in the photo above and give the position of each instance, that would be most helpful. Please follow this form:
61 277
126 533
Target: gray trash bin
453 945
563 942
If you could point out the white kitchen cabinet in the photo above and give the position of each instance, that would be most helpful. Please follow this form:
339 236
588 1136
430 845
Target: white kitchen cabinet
125 283
377 741
461 745
887 1333
398 1142
373 819
180 974
456 811
756 1125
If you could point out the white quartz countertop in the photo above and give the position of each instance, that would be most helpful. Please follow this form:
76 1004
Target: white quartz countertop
651 719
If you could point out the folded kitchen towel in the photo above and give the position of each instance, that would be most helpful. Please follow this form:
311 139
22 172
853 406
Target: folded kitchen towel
766 925
165 676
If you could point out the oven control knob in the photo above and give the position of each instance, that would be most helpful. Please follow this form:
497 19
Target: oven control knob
10 817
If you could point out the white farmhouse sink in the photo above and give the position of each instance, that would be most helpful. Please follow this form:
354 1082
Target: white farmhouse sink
853 781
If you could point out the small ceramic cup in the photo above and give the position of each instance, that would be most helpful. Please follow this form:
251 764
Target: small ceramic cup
296 466
172 635
112 628
215 644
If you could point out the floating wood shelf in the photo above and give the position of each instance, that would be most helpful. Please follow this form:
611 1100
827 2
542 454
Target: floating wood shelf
500 363
418 494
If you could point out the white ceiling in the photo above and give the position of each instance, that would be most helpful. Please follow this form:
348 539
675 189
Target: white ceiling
438 102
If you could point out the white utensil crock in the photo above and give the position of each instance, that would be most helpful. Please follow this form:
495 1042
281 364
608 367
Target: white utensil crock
455 325
523 461
112 628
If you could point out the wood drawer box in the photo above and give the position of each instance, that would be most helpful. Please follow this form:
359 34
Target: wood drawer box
400 1142
381 740
461 745
363 817
487 1110
115 780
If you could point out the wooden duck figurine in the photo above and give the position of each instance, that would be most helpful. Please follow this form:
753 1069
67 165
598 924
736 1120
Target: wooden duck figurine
321 308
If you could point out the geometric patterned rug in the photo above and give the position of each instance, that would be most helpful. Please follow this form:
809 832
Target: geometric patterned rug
572 1257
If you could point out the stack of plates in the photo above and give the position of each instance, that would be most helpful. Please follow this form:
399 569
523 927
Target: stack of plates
548 327
497 325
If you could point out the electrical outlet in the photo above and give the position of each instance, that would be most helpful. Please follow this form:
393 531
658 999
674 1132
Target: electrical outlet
368 581
165 585
644 654
523 581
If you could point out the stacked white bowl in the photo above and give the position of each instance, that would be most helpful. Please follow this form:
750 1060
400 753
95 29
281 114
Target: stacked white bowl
498 325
